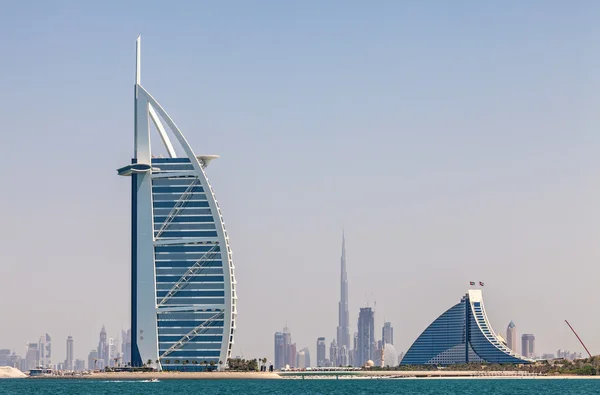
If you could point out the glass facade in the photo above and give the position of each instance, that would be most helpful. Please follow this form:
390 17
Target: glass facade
190 277
462 334
183 288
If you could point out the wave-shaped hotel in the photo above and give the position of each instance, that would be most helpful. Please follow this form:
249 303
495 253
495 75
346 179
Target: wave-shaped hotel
462 334
183 297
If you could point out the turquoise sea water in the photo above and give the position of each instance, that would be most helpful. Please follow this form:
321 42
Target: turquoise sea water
362 386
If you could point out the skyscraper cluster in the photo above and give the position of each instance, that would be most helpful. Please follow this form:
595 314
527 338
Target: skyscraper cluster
527 341
344 350
285 351
111 351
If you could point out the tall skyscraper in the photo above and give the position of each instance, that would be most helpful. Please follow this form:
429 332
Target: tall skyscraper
45 351
366 336
387 333
69 361
511 337
103 350
183 288
353 354
528 345
343 357
280 350
333 353
126 347
343 329
303 359
32 356
93 361
321 352
285 350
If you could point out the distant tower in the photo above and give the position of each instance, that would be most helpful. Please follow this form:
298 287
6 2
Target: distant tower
387 333
528 345
333 353
511 336
45 351
69 360
321 353
343 329
103 349
366 336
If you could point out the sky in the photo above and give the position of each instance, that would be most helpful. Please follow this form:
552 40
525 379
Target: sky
452 141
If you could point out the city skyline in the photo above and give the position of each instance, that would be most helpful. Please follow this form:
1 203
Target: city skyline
469 163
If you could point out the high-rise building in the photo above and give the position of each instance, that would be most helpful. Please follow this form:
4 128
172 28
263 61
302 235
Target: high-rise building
511 336
183 296
343 357
14 361
354 353
462 334
343 329
93 360
303 359
387 333
45 351
333 353
114 351
321 352
103 350
32 357
4 357
69 361
126 347
366 336
528 345
285 350
280 349
291 355
79 365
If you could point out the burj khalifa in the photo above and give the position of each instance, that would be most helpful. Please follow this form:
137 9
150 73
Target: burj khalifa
343 329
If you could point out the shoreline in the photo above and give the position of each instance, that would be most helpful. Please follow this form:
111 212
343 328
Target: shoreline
361 375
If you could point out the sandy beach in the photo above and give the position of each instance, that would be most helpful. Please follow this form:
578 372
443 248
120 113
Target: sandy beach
312 375
176 376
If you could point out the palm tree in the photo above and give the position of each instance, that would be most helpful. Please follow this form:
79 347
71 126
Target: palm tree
220 365
149 362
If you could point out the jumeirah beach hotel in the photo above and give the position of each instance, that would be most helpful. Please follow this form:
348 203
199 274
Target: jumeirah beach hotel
462 334
183 296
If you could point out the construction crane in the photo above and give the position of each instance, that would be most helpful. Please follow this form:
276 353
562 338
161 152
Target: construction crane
578 338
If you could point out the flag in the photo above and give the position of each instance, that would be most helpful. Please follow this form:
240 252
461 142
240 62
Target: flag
472 283
481 283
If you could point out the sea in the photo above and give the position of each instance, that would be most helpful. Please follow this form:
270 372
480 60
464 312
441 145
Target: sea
308 386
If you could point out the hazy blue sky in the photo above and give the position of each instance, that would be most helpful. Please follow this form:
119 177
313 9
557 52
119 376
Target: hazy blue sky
454 141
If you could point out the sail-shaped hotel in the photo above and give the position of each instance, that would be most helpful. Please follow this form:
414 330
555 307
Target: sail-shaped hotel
183 296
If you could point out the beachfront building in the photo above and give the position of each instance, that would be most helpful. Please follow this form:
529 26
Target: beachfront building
462 334
183 296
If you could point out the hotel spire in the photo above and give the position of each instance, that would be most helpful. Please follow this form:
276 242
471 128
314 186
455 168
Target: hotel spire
343 329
